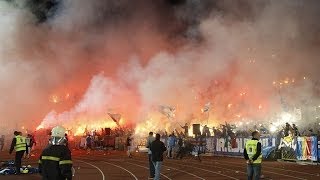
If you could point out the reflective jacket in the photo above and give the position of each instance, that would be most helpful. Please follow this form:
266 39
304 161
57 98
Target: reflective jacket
253 152
157 149
55 163
20 143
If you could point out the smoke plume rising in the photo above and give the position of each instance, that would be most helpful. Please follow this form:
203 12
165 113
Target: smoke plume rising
71 62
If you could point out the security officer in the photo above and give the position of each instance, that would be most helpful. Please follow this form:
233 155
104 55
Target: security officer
253 155
20 146
55 161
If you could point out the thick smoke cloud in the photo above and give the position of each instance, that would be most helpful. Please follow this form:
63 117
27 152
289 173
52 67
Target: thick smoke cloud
72 61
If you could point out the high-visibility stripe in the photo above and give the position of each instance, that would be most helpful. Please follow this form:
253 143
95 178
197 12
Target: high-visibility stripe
20 143
65 162
251 147
51 158
39 162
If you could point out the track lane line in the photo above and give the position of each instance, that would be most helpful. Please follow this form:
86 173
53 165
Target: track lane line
122 169
148 168
127 162
212 172
103 177
138 166
208 164
266 166
191 167
204 170
185 172
176 170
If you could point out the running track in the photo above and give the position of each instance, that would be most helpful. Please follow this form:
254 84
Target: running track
100 165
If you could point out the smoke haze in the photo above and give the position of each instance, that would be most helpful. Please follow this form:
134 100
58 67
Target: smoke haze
71 62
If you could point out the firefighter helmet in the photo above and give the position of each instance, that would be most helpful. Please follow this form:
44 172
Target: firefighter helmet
58 131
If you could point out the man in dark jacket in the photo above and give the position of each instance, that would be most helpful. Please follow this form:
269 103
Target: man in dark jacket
181 148
55 160
1 142
157 150
150 139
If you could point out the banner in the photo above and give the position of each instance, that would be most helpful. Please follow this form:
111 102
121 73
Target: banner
318 149
299 148
168 111
224 146
115 117
307 148
206 107
314 148
288 146
210 144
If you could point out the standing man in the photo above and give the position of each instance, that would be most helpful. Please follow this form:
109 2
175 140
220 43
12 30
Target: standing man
1 142
150 139
129 144
186 130
28 141
20 146
88 143
206 131
287 129
157 150
295 130
253 155
180 152
171 143
55 160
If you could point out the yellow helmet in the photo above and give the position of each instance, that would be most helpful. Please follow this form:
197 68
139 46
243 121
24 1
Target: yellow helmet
58 131
24 171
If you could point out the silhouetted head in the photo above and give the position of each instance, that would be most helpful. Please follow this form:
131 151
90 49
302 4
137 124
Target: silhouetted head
256 134
158 136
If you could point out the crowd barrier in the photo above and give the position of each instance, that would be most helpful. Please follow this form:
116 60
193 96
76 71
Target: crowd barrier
301 148
298 148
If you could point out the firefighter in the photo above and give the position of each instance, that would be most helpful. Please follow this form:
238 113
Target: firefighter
20 146
55 160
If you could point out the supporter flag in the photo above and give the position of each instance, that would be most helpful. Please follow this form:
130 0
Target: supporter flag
234 143
318 150
115 117
307 148
313 148
168 111
301 150
206 107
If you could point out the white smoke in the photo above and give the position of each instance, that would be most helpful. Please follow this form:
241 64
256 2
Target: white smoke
147 61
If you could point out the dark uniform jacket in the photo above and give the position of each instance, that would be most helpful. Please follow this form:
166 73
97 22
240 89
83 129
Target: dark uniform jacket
55 163
157 149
